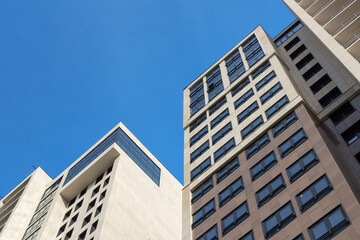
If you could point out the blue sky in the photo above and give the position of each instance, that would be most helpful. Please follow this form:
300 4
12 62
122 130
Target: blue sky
72 69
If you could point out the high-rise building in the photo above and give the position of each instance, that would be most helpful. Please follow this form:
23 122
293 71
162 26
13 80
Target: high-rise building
115 190
271 148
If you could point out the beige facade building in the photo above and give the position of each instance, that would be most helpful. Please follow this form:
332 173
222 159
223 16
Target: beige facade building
115 190
271 148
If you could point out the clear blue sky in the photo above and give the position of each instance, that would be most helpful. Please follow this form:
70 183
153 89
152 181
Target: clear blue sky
72 69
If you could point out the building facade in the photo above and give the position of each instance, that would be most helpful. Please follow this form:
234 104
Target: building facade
115 190
271 147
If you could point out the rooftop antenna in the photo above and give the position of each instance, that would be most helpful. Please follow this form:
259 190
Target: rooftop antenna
34 167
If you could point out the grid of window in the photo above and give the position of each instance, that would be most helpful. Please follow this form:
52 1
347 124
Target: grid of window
265 80
240 86
221 133
313 193
219 118
312 71
252 50
214 83
211 234
234 218
201 190
292 43
197 100
320 84
303 62
330 97
247 112
260 70
297 52
270 190
271 111
203 213
329 225
248 236
235 66
217 105
270 93
284 124
292 143
198 152
352 133
224 149
197 122
194 139
243 98
200 169
227 169
290 32
251 127
278 220
257 145
262 166
231 191
342 113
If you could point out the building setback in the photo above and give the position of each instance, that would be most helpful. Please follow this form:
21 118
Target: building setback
271 148
115 190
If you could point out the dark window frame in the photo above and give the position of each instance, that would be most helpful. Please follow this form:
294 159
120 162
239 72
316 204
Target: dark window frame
231 190
204 212
271 190
294 144
264 164
238 218
225 171
205 165
302 166
200 191
257 145
284 124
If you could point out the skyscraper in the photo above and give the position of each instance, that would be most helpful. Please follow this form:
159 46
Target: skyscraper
115 190
271 147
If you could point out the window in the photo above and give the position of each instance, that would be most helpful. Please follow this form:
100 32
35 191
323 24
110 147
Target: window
194 139
235 66
247 112
265 80
93 227
284 124
303 62
292 43
257 145
73 219
312 71
260 70
197 122
252 127
314 193
99 178
234 218
61 230
68 234
98 210
224 149
102 195
243 98
301 166
217 105
252 50
288 33
72 201
240 86
83 192
197 153
91 205
106 182
299 237
200 191
270 190
297 52
200 169
278 220
203 213
352 133
342 113
86 220
330 97
96 190
219 118
248 236
214 83
292 142
67 215
109 170
197 100
82 235
262 166
221 133
78 205
227 169
211 234
271 111
329 225
270 93
231 191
